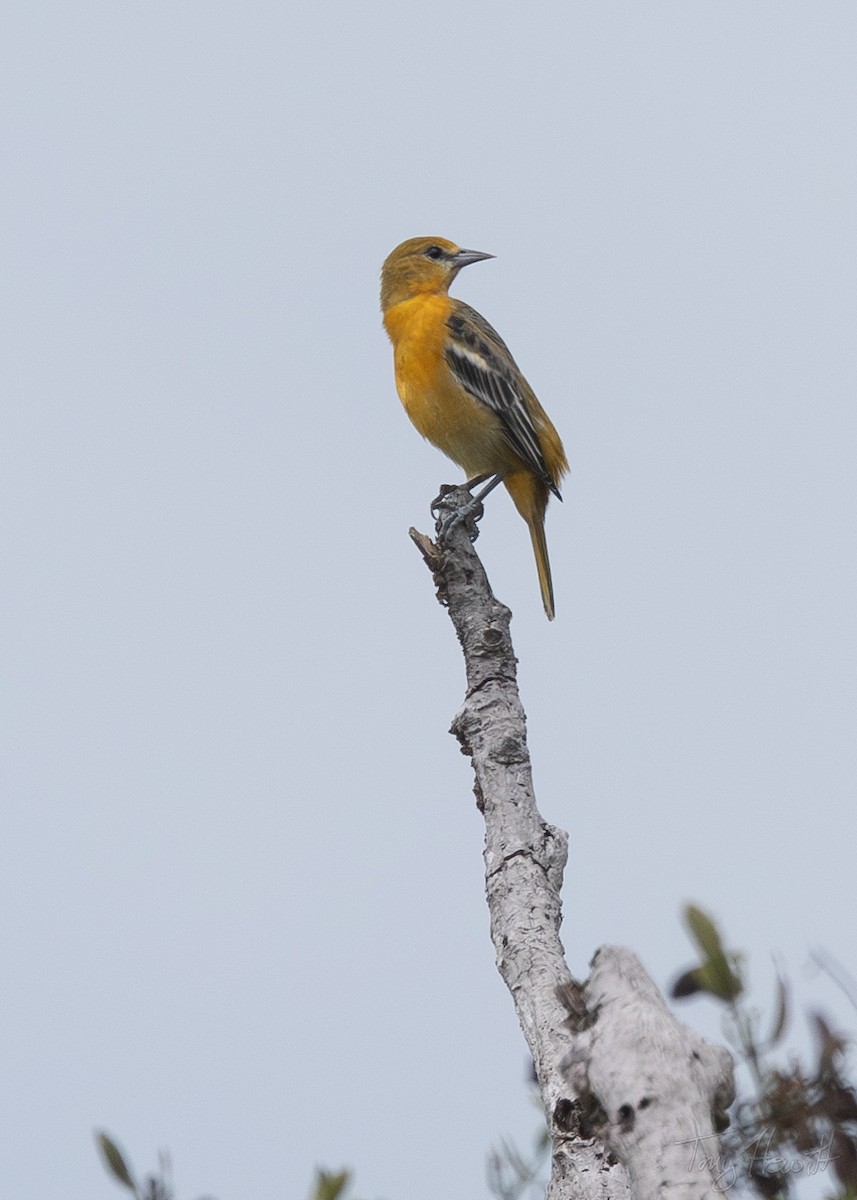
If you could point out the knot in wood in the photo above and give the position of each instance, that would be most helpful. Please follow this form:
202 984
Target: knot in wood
510 750
566 1115
492 638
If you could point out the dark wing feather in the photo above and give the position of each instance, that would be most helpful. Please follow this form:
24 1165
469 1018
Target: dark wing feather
480 361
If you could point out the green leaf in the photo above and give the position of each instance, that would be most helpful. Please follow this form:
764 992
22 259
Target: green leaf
704 932
329 1186
718 979
716 975
115 1161
687 984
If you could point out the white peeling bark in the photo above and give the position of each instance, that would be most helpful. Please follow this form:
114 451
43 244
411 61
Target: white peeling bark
655 1091
524 862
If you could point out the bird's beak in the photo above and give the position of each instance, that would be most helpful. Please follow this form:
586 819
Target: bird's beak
465 257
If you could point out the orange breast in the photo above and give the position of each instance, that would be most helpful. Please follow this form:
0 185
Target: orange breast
462 427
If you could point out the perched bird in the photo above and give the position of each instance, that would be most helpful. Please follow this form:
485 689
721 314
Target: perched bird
463 390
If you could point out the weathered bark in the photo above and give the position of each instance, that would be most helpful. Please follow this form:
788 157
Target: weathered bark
524 862
655 1091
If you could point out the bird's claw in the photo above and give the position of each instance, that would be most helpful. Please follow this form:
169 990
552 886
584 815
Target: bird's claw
438 502
467 515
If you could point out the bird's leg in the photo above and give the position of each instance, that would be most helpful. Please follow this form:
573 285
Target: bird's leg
477 479
470 512
469 485
493 480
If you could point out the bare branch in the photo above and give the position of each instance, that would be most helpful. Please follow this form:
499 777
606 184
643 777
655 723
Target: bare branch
621 1045
524 856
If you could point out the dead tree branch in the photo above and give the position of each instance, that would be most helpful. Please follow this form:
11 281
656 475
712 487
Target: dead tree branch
591 1066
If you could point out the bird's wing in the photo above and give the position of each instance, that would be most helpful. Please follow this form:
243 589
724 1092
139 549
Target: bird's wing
481 362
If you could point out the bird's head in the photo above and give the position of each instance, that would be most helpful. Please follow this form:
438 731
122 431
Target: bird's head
423 264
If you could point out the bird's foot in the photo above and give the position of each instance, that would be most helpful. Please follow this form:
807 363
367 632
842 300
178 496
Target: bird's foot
467 514
448 513
440 501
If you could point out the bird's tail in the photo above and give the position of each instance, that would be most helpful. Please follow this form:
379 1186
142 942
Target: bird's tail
540 549
531 497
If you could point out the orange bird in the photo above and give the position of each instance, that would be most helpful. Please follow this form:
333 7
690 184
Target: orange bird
463 390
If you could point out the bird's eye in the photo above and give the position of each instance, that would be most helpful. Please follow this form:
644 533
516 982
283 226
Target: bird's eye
434 252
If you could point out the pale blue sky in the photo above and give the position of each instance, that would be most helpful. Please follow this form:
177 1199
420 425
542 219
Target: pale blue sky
241 910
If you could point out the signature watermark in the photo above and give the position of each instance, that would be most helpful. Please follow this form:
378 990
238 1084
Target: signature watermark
759 1157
